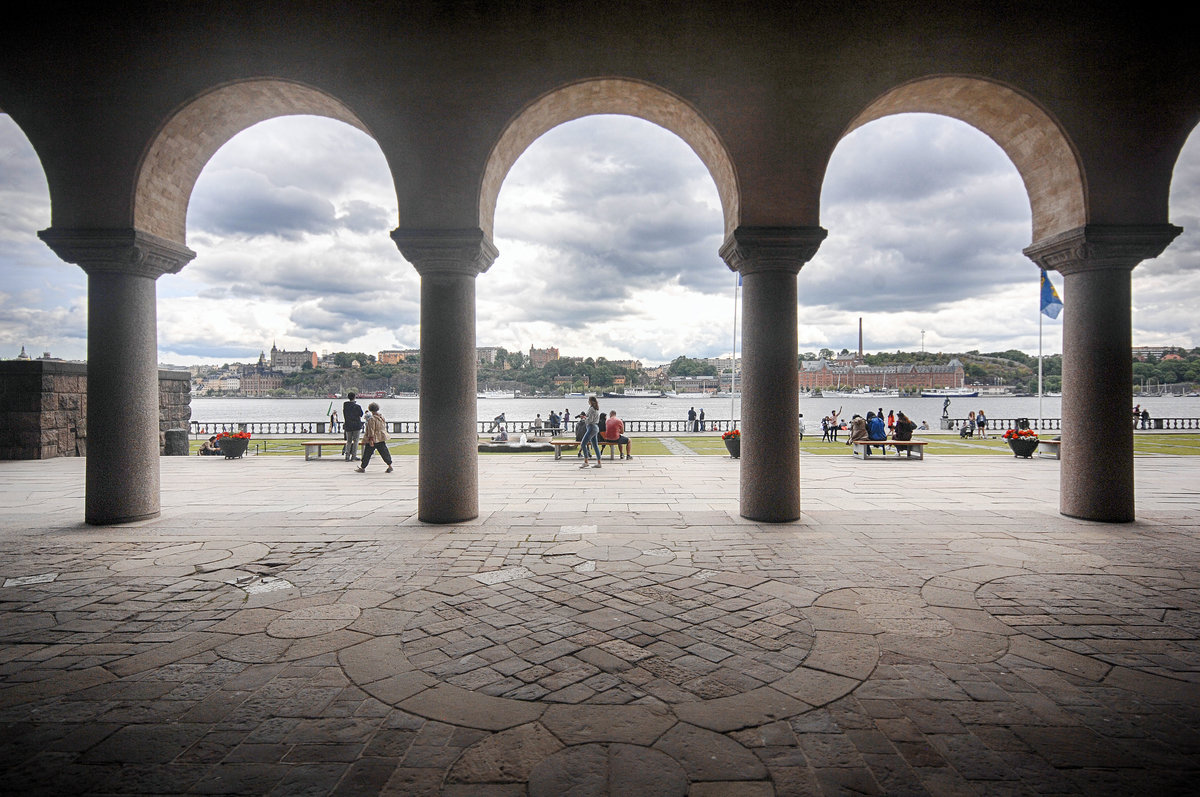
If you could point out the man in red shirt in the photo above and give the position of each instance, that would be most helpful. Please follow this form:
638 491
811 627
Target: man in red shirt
614 429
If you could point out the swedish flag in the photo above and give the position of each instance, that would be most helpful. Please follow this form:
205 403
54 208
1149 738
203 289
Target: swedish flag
1051 304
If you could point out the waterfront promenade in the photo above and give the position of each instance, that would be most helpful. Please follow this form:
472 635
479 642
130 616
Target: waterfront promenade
289 627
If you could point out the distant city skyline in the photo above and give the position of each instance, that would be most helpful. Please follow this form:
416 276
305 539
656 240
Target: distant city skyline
608 229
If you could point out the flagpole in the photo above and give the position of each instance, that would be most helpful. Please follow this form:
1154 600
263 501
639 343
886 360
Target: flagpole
737 281
1039 366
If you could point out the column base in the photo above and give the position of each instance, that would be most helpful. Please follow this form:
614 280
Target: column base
105 521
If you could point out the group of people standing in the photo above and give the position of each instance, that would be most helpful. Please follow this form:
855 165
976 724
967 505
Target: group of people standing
374 439
975 421
696 420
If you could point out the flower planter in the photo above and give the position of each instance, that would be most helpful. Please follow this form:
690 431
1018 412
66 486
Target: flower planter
734 446
234 447
1023 446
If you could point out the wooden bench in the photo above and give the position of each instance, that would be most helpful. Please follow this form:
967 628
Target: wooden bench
862 448
1050 449
316 445
560 443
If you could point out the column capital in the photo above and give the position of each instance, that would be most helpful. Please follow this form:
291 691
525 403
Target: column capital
752 249
435 251
1094 247
117 250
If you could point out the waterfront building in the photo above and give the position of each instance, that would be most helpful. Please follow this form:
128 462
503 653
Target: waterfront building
288 362
823 375
395 356
539 358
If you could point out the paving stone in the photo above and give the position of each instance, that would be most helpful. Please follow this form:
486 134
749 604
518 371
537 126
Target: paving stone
506 757
708 756
608 769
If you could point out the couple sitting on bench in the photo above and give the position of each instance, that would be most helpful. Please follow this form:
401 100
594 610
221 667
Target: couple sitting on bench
612 433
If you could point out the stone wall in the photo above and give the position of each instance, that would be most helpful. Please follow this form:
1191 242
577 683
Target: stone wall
43 408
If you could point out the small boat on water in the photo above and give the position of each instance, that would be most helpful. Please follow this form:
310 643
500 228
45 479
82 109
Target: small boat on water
637 393
950 392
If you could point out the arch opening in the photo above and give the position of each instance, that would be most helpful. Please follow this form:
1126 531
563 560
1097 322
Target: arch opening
290 222
610 227
43 301
1159 317
174 160
609 96
1035 143
927 217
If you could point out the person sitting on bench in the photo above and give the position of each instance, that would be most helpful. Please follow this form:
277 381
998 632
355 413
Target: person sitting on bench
615 432
858 430
904 431
875 427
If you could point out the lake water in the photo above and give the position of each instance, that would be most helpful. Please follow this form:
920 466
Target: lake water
245 410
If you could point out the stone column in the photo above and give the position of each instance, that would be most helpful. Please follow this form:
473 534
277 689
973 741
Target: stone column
448 466
768 260
122 265
1096 261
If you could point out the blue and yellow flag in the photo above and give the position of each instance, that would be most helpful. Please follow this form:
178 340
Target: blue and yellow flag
1051 304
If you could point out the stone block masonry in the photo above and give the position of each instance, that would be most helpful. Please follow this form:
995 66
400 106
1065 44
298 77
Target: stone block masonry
43 408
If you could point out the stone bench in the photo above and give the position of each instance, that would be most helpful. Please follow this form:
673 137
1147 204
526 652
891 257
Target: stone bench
862 448
311 446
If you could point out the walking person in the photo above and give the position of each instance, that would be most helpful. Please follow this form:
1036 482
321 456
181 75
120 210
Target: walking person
375 439
351 426
592 433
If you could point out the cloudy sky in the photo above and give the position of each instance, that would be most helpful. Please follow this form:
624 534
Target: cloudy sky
608 229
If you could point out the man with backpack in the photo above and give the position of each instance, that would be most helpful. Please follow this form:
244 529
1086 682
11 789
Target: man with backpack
352 425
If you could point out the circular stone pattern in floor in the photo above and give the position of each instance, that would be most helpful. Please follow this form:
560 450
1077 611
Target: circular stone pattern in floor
612 638
1147 624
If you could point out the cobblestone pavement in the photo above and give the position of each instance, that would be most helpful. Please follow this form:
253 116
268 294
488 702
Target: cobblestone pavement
289 628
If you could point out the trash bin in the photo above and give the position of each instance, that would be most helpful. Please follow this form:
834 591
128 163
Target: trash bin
176 443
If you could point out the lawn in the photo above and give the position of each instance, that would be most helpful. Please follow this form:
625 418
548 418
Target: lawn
1186 444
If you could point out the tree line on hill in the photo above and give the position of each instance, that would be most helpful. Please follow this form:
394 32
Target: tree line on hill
513 371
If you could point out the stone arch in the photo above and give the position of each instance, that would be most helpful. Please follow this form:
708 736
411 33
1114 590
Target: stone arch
173 161
610 96
1047 161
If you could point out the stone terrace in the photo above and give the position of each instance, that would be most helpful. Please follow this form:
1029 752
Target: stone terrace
287 627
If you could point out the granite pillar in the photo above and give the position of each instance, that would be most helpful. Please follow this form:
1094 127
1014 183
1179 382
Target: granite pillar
768 260
122 482
448 464
1096 261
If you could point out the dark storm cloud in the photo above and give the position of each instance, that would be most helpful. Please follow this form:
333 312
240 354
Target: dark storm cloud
364 217
628 202
245 203
920 216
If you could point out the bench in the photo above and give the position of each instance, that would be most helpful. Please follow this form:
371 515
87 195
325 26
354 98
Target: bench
560 443
862 448
1050 449
316 445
